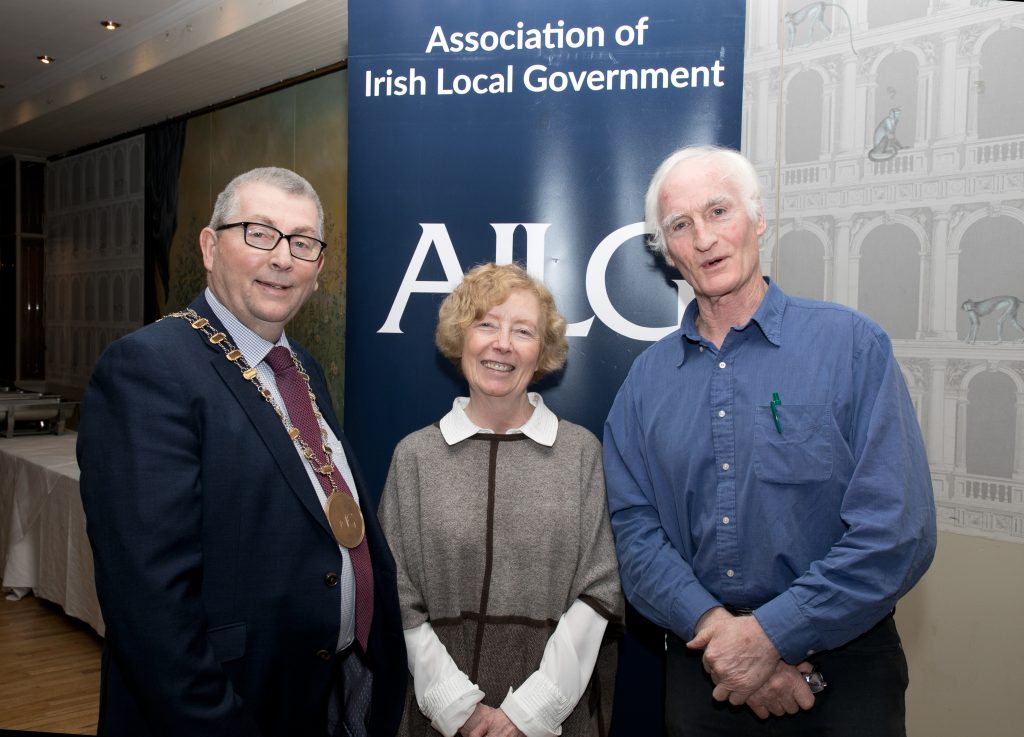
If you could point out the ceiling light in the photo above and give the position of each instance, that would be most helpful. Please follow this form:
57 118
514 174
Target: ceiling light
110 25
45 59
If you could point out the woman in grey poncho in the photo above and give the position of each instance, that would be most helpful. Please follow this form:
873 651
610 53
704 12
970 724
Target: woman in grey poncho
498 521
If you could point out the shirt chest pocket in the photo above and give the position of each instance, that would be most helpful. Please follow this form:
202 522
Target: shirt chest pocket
802 452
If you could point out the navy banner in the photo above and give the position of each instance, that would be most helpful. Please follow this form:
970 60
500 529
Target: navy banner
525 130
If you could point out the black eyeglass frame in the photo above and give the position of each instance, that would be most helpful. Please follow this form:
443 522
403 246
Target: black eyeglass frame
281 236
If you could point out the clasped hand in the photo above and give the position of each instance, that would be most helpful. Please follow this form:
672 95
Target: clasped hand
490 722
747 669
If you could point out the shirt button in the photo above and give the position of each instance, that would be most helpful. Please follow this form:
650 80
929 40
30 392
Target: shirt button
721 413
725 520
330 579
721 364
725 466
730 573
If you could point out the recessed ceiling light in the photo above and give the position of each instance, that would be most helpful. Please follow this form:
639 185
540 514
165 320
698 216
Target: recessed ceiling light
45 59
110 25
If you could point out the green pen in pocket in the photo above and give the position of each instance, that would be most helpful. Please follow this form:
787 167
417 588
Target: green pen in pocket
775 411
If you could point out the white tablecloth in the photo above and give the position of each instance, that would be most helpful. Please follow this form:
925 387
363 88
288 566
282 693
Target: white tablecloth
43 543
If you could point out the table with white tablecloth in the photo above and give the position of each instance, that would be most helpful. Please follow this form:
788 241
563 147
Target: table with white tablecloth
43 544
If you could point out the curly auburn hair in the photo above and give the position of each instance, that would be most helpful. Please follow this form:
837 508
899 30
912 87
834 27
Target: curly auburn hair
484 287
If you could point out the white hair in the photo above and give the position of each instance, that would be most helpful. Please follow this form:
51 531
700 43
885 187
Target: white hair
731 164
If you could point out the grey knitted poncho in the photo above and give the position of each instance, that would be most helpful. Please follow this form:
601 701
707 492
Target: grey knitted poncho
495 537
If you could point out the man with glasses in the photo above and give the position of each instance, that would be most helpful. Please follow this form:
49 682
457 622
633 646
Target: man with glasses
245 584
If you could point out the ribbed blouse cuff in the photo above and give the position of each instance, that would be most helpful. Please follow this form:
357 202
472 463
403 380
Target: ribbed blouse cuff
450 703
537 707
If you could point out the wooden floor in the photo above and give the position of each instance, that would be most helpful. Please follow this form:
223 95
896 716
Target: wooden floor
49 669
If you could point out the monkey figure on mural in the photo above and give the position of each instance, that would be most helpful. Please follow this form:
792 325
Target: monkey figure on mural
885 144
1005 307
813 14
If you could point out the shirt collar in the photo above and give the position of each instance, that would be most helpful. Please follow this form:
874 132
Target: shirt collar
542 427
767 316
253 347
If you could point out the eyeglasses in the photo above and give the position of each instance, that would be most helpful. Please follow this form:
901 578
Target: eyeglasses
266 238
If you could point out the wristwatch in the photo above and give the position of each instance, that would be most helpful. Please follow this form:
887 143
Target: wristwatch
816 681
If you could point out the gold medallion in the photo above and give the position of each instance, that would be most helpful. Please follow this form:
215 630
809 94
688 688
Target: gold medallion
346 519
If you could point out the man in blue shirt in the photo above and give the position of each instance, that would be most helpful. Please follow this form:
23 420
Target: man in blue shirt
768 485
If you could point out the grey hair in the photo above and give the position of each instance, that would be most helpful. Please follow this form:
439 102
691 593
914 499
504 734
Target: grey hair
226 207
732 165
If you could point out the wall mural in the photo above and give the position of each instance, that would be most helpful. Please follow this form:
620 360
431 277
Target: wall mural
812 17
886 145
1004 308
892 160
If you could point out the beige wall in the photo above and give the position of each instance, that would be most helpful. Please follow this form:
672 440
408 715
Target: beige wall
960 629
907 239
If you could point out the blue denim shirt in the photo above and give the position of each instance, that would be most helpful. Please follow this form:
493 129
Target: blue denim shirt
819 527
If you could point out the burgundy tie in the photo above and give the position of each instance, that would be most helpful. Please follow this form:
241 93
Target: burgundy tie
296 397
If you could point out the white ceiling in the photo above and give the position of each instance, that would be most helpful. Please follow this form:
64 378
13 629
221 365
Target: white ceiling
169 57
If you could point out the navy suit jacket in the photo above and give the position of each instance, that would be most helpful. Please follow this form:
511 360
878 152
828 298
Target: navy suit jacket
215 566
